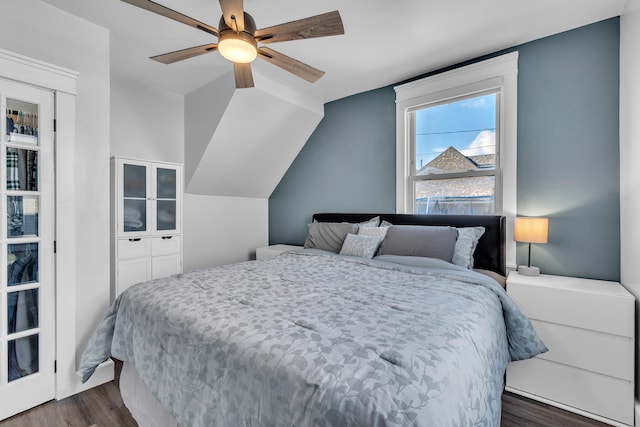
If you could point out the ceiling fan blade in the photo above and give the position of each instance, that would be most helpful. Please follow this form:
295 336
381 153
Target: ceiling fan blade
291 65
172 14
327 24
243 75
233 14
179 55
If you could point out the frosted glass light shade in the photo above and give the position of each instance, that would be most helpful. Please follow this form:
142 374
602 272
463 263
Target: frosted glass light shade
237 49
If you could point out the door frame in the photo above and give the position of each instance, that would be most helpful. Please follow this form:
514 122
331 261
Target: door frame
63 82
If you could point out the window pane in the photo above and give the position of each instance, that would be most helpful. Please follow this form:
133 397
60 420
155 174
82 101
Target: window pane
166 215
22 309
456 137
22 169
22 263
135 215
464 196
22 216
166 183
22 122
135 181
23 357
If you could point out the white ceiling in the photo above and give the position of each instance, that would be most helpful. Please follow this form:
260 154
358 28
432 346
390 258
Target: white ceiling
384 42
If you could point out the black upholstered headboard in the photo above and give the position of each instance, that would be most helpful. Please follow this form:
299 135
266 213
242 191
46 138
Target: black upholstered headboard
490 253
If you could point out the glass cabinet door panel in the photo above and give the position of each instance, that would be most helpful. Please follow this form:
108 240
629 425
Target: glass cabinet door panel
166 183
22 216
22 122
166 215
22 263
135 214
135 181
23 357
22 310
22 169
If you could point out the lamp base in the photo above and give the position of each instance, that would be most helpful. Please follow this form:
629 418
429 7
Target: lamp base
528 271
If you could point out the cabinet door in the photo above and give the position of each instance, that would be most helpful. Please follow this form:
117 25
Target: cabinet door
134 198
166 265
167 191
132 271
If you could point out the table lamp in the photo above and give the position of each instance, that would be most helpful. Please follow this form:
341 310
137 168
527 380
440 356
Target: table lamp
530 230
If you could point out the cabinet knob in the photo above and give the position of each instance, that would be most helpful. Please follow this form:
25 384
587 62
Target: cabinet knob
166 237
137 239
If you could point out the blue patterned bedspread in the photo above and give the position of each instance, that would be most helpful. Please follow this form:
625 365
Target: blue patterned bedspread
314 339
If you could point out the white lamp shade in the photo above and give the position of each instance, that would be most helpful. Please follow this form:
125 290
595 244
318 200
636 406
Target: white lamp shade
531 230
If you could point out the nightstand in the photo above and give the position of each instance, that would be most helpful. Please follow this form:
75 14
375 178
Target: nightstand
588 326
273 250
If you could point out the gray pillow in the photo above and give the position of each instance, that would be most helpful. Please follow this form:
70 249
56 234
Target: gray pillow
360 246
466 245
328 235
417 240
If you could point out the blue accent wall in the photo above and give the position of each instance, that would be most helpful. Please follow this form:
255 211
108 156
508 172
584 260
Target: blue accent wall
568 154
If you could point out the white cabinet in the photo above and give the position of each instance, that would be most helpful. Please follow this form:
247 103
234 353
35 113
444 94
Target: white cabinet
146 221
588 326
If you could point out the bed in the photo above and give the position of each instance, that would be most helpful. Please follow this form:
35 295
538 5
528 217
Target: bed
313 337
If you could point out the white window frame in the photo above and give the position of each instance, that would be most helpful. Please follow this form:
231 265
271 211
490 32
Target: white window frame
498 74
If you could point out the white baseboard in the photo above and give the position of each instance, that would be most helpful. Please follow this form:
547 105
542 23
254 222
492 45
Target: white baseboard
73 383
103 374
575 410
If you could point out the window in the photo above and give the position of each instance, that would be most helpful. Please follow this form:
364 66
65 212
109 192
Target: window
454 156
456 142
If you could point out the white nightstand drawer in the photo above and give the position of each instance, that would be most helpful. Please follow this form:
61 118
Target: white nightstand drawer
133 248
594 351
595 393
589 304
165 245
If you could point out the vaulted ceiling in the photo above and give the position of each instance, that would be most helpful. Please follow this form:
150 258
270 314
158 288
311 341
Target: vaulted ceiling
384 41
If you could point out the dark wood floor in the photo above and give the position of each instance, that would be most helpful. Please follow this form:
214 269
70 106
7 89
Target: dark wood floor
103 407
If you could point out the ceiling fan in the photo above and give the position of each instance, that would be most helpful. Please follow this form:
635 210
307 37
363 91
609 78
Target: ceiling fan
238 39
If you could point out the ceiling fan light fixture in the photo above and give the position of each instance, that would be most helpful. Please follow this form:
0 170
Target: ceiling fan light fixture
237 47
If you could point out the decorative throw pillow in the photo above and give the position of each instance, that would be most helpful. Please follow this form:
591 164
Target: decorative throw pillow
466 245
385 223
328 235
373 231
360 246
373 222
417 240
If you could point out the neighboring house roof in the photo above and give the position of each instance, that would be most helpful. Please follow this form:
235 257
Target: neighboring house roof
452 160
449 161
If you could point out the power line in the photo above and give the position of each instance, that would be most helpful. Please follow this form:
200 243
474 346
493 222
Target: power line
455 131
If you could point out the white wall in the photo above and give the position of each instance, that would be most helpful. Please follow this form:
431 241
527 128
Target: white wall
149 123
42 32
629 156
221 230
146 122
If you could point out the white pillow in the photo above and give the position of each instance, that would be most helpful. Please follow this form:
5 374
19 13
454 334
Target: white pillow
360 246
466 245
373 231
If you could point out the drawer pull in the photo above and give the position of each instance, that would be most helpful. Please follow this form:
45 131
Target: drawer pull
137 239
166 237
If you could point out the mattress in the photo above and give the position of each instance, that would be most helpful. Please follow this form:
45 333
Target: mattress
310 338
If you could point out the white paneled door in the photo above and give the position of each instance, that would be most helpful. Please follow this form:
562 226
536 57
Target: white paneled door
27 329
